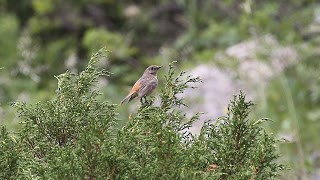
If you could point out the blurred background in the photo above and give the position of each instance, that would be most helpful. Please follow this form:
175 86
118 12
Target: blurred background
269 49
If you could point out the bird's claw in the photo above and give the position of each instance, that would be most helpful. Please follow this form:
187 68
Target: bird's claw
145 102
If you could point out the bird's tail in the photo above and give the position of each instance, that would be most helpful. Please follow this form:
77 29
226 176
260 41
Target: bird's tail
129 97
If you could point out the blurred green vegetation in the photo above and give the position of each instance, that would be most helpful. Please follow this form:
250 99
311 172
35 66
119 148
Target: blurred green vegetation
43 38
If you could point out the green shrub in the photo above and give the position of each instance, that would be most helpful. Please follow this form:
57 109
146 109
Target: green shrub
74 137
9 156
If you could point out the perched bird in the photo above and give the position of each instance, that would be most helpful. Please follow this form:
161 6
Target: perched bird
145 85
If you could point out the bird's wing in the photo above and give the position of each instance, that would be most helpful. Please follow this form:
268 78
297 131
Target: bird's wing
148 88
136 87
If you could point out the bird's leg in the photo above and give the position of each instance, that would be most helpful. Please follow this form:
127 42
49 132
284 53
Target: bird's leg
143 100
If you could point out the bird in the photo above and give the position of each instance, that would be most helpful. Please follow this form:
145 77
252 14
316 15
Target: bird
145 84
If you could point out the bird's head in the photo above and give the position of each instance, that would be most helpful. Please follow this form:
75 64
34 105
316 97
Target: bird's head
152 69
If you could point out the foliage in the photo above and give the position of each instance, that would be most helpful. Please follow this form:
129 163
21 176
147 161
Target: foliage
8 39
248 153
61 29
9 155
42 38
69 129
74 137
297 112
